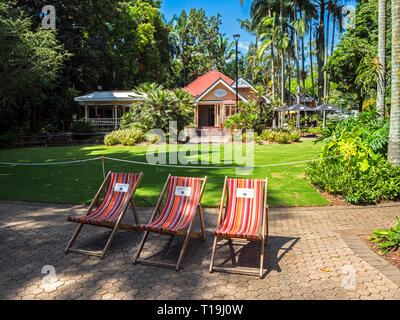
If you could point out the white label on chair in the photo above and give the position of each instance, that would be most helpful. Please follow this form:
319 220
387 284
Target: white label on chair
183 191
245 193
121 187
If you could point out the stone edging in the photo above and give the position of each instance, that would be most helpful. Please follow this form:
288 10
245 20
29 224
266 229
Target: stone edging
369 256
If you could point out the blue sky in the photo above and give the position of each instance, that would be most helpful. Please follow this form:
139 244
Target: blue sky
230 10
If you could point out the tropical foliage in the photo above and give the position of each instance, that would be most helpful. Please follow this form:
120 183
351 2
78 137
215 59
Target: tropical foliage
354 65
255 114
100 45
159 108
282 29
31 60
355 164
387 239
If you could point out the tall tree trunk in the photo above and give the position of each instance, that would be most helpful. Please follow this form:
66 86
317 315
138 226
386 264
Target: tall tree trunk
303 78
283 77
332 46
278 75
273 70
326 54
289 72
321 49
296 46
394 135
282 55
311 64
272 56
380 98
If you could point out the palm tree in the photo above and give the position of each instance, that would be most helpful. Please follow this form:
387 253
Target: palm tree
380 98
223 51
268 33
394 135
296 30
282 52
330 7
311 60
184 43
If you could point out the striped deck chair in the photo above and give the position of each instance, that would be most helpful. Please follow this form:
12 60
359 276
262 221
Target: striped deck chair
245 217
177 215
109 213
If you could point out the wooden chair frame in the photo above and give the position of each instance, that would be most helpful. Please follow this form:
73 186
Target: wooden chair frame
186 233
263 233
107 224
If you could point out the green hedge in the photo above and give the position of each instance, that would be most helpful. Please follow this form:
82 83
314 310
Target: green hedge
380 182
281 136
359 172
126 137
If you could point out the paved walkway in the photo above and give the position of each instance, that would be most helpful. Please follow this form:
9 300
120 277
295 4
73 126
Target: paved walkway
307 257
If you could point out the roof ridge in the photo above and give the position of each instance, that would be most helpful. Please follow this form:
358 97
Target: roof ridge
194 81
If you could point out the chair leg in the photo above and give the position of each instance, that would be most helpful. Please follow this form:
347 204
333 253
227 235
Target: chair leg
146 233
71 242
262 257
135 215
185 244
203 230
184 247
110 239
213 253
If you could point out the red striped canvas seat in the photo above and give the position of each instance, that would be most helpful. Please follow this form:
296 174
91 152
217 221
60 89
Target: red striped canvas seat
114 201
243 214
178 210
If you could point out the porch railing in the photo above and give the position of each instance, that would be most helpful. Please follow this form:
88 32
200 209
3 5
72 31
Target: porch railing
103 122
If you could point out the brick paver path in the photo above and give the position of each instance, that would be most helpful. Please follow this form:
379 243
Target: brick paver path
306 258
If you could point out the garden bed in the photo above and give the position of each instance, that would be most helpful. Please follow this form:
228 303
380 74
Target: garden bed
393 256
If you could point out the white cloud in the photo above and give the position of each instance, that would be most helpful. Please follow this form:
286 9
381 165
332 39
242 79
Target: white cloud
244 46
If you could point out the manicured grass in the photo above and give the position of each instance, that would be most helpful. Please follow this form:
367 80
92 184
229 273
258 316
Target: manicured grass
77 183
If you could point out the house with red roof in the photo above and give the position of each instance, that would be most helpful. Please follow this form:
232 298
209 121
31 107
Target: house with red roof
215 96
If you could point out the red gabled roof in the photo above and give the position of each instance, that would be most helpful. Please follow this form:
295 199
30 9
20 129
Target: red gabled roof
201 84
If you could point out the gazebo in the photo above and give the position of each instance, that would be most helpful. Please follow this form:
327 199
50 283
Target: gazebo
105 108
327 107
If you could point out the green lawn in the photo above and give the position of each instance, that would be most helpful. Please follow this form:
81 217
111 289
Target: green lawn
77 183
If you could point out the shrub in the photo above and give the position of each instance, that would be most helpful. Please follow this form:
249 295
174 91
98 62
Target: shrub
127 137
111 139
81 126
373 130
380 182
359 172
152 138
281 135
294 136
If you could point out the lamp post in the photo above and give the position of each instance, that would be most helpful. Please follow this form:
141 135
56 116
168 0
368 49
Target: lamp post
236 37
